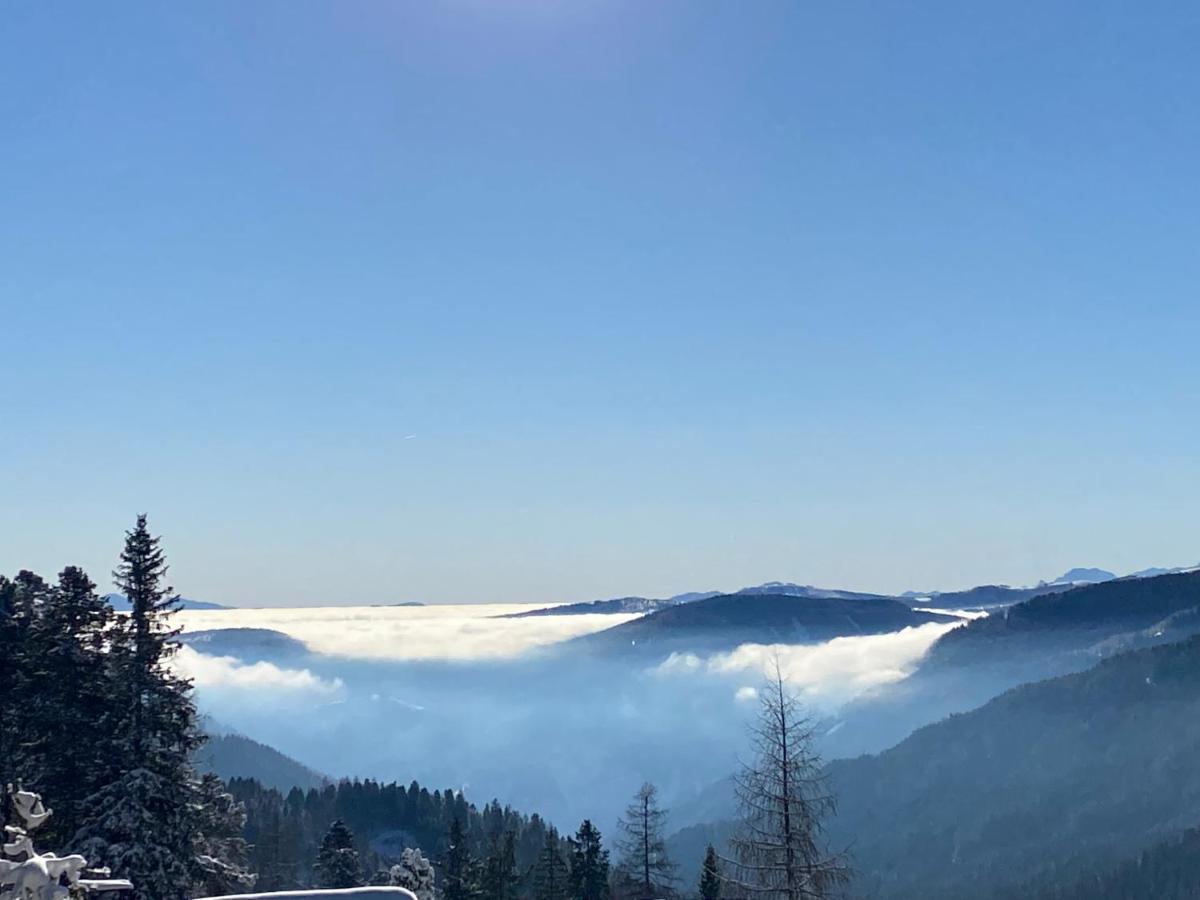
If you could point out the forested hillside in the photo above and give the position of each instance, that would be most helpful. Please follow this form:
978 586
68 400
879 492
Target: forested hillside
1069 621
233 756
1058 777
285 829
1049 635
1167 871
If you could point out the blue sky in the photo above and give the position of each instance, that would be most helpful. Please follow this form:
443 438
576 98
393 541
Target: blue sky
526 301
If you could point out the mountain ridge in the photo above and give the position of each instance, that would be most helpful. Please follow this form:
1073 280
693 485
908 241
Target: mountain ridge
729 620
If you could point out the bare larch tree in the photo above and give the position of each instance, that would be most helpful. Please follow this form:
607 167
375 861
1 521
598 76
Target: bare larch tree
779 850
643 849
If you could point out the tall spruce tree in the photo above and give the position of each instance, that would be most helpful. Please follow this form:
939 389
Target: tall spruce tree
550 880
710 876
643 848
338 865
589 864
143 823
780 850
458 868
162 719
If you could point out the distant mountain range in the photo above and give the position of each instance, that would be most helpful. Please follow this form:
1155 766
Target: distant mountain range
728 620
981 597
649 604
788 589
247 644
1096 576
607 607
1072 620
121 604
1085 576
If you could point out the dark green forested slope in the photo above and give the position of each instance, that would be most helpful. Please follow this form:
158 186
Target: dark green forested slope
1070 619
1167 871
1055 778
234 756
285 829
1050 635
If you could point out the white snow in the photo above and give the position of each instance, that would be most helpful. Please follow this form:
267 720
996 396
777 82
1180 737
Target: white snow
362 893
38 876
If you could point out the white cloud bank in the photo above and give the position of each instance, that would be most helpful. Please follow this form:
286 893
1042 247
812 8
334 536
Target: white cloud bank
465 632
227 672
826 674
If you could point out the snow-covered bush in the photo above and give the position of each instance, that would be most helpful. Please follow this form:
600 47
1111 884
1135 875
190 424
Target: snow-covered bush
26 874
414 872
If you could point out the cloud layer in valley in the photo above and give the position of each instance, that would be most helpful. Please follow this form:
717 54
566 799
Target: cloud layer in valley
453 695
826 674
227 672
467 632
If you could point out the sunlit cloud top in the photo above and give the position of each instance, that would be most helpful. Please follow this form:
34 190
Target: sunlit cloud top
409 632
825 674
226 672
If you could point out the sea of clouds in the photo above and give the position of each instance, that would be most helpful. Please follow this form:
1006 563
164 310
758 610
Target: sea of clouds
450 632
460 696
826 674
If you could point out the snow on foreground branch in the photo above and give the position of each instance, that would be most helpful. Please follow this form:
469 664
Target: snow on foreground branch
29 875
359 893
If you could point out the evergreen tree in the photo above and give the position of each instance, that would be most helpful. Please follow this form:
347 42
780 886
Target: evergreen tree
140 827
219 855
162 717
710 876
589 864
643 848
144 822
500 877
20 602
274 873
103 728
71 711
550 881
458 868
779 848
337 863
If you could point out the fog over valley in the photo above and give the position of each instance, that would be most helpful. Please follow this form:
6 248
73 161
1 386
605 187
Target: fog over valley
463 696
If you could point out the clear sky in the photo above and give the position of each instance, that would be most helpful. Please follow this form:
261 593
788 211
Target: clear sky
521 300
